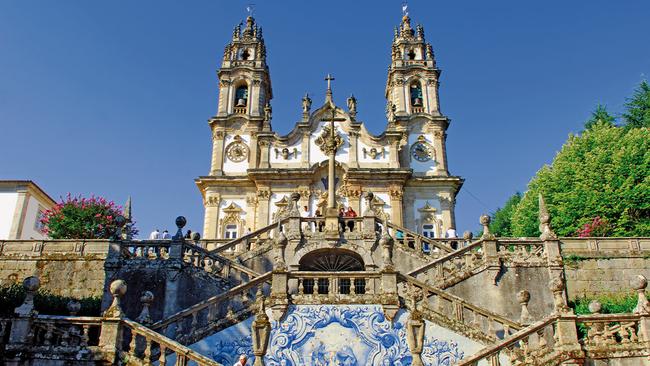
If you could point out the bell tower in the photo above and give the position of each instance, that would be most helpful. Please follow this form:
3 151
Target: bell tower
412 85
244 102
244 81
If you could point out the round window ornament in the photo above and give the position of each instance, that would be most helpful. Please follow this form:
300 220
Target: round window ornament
237 151
422 150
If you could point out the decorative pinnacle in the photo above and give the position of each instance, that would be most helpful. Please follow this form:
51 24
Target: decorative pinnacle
405 8
328 94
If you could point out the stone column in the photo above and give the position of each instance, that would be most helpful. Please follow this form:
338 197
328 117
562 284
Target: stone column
304 149
439 138
110 337
251 211
174 266
254 98
447 207
354 137
263 202
396 195
218 138
264 154
210 225
253 157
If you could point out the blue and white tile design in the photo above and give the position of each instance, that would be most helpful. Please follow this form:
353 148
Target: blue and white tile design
348 335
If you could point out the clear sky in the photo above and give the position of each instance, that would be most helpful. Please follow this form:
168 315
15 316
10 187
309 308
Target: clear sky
113 97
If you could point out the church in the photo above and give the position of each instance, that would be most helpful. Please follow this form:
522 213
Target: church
254 170
284 278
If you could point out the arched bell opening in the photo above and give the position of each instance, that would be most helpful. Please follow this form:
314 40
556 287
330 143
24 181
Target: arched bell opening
328 261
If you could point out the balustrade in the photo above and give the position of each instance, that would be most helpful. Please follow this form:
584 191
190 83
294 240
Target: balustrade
217 311
147 346
611 334
50 330
430 247
519 253
146 249
326 284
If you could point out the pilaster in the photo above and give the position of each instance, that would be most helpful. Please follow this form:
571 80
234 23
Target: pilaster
263 202
19 214
217 152
211 221
264 147
305 149
354 137
396 194
253 157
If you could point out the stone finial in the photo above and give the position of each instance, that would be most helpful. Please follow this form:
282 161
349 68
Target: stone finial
485 221
369 211
180 224
468 236
73 307
196 236
294 210
386 242
146 299
595 307
523 297
280 243
120 221
556 285
31 284
118 290
639 284
545 221
261 330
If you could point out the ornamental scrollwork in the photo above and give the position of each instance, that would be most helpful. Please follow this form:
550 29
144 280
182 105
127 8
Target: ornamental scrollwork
328 143
237 151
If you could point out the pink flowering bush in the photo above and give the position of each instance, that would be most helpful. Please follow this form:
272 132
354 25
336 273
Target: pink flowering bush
82 218
597 227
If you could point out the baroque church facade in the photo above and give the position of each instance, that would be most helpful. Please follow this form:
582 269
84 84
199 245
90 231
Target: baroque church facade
254 170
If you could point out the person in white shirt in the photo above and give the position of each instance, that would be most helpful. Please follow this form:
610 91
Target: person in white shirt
242 361
451 233
166 235
155 235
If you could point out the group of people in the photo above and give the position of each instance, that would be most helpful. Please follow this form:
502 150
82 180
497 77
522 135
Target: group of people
343 214
157 235
165 235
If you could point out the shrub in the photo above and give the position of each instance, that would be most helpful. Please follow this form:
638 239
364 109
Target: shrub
82 218
45 302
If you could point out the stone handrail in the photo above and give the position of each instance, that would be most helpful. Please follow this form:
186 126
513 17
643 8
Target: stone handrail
81 247
148 346
516 253
456 308
248 238
145 249
538 338
454 263
194 322
201 258
604 246
606 336
422 243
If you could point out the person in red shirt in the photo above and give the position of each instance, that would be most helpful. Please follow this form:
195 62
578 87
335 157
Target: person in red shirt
350 213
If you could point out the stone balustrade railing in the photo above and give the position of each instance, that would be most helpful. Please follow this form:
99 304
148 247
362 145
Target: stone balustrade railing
522 253
213 313
212 262
451 307
430 247
342 286
66 331
604 246
149 347
555 339
257 238
453 267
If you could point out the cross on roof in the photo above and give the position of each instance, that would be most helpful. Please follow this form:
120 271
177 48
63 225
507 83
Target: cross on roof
329 79
250 8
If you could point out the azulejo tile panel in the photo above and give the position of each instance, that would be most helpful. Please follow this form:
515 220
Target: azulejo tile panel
348 335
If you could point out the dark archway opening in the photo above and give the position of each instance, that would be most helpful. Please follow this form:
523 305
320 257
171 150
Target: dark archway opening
333 260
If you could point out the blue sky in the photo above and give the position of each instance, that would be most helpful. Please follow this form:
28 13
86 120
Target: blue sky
113 98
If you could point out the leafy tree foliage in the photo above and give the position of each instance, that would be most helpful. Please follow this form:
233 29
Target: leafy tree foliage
502 217
603 173
638 107
600 114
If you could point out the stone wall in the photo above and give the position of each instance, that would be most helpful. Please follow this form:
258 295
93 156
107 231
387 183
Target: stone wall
600 276
65 267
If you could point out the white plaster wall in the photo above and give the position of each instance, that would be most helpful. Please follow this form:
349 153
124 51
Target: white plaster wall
29 229
433 202
293 158
230 166
422 167
315 153
367 158
8 202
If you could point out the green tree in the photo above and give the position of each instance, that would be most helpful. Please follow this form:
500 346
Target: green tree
600 114
603 173
638 107
502 217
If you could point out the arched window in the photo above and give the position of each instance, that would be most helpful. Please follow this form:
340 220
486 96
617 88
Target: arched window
244 54
416 94
241 96
332 260
411 54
